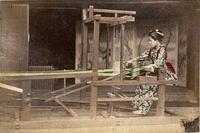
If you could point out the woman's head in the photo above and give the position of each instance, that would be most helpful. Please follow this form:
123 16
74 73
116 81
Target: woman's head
155 37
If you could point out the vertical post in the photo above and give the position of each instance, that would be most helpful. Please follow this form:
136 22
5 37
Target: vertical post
195 48
108 47
116 15
160 111
84 47
64 84
111 46
122 50
84 40
91 11
198 58
95 61
26 101
111 107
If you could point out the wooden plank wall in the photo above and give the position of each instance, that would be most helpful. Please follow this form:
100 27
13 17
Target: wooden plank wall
193 52
182 49
14 45
14 40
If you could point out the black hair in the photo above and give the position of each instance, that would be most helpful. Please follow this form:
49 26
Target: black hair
156 35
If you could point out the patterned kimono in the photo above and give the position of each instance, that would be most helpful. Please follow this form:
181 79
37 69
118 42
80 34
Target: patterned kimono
158 57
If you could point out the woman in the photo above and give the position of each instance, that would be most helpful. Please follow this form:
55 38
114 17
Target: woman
157 55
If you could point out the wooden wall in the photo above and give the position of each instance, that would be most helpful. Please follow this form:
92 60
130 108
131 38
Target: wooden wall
182 49
14 38
14 47
14 44
193 51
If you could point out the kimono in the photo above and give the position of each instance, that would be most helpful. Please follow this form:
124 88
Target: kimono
158 57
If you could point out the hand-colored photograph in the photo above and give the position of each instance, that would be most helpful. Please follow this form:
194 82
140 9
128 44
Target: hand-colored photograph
99 66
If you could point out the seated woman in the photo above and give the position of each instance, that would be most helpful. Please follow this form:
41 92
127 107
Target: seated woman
157 55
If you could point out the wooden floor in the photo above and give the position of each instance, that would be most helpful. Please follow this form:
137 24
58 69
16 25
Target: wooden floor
99 125
52 118
57 120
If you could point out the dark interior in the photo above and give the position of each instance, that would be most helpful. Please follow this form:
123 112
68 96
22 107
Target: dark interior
52 38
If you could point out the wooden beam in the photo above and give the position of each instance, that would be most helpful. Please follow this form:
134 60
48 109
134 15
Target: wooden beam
110 78
114 11
112 45
125 99
160 111
95 65
91 19
130 82
110 20
91 11
16 76
67 108
84 41
72 91
67 93
122 41
84 49
84 14
69 87
36 73
107 46
12 88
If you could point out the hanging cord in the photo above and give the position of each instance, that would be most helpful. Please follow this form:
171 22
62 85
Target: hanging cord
169 38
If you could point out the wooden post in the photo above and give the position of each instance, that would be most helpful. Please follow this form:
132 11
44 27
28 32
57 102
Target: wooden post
26 101
111 47
111 108
91 11
95 61
122 51
64 84
108 47
160 111
84 48
84 40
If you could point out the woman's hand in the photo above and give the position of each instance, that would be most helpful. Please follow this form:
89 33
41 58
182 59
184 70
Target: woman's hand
149 68
130 62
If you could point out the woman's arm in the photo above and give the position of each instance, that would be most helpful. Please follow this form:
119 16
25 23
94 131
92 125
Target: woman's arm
159 62
142 56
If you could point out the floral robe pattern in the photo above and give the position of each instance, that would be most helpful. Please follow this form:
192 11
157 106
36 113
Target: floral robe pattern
158 57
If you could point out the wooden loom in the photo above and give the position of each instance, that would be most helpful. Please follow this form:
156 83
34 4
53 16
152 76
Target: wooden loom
94 16
90 16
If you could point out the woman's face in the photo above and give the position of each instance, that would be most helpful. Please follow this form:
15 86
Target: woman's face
153 43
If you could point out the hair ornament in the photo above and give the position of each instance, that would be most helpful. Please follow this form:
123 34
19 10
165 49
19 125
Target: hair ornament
158 32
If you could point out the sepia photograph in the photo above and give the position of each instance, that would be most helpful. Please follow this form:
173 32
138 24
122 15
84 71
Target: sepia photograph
99 66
